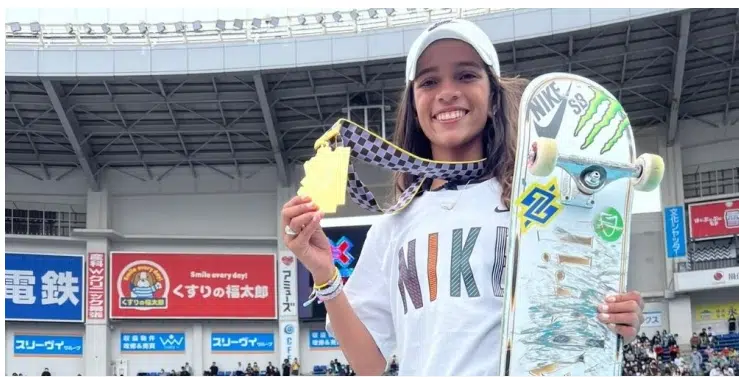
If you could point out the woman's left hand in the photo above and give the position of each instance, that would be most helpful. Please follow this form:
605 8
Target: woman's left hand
623 314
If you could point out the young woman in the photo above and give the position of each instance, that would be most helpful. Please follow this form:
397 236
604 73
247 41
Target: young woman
428 285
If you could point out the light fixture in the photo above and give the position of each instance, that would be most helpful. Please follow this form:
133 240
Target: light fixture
320 18
221 25
87 28
301 19
179 27
372 12
238 24
197 25
106 28
15 27
274 21
337 16
390 11
35 27
143 28
256 22
70 29
124 28
161 27
354 14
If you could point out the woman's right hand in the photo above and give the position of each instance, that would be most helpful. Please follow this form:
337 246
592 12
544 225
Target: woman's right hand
310 245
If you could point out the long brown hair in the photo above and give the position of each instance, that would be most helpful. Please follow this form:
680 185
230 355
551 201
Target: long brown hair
499 140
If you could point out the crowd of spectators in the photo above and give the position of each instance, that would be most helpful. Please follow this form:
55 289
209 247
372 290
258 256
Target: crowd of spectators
660 355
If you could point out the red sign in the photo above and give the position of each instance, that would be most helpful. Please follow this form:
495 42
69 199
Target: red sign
96 286
714 219
168 285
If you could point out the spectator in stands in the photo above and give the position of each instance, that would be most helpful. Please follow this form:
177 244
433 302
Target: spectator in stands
272 370
214 369
286 367
295 367
255 369
695 341
184 371
46 372
394 366
188 368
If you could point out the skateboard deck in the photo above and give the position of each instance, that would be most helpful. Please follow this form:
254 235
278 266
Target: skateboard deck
568 248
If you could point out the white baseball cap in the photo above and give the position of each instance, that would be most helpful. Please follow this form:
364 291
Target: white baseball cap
460 29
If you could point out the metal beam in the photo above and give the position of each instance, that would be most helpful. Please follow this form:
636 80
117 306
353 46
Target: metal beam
677 84
74 134
274 139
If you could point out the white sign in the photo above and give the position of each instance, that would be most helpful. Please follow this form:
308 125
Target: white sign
288 288
652 319
289 341
707 279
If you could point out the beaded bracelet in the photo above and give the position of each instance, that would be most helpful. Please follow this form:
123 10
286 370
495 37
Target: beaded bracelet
326 291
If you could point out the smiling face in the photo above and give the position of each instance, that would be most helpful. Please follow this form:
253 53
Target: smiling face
452 100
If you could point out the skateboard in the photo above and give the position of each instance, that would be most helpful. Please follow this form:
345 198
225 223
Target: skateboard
568 243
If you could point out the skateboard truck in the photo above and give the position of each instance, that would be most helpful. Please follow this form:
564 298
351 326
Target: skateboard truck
591 175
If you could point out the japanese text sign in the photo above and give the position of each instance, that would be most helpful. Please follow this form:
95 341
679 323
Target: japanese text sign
652 319
44 287
322 339
185 285
96 286
47 345
153 342
716 219
675 240
242 342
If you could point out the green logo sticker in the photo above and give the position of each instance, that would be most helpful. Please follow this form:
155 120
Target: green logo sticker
609 225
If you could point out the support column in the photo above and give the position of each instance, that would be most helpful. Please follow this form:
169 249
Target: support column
679 318
198 350
289 325
97 334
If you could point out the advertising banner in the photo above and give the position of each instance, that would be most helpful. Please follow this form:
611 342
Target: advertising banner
287 281
242 342
289 338
707 279
675 237
716 312
47 345
715 219
44 287
153 342
96 286
322 339
184 285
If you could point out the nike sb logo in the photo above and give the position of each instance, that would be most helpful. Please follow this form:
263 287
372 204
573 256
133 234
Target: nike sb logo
501 210
544 103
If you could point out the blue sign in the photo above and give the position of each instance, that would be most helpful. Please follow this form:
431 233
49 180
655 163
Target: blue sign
322 339
152 342
47 345
675 235
44 287
242 342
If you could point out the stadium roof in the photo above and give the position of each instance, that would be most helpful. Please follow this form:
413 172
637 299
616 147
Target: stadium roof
677 66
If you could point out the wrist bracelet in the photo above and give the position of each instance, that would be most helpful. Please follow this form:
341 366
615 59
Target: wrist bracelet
327 291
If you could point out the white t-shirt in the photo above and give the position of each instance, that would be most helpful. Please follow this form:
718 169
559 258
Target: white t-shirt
447 320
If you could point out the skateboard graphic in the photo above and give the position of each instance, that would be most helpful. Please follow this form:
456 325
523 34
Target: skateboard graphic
568 244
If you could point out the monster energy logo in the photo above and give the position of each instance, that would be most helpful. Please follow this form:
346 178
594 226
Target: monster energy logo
613 111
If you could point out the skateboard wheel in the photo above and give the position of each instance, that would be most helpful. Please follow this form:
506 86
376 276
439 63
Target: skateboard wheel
543 157
652 170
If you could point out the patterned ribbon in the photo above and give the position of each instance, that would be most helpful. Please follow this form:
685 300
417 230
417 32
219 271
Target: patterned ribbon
367 146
